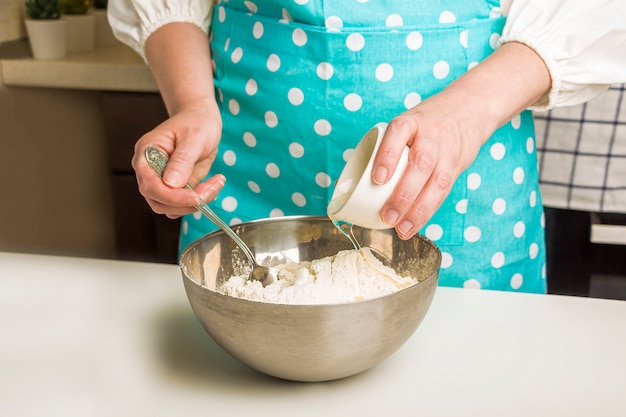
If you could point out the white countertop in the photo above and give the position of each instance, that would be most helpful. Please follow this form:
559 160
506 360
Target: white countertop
83 337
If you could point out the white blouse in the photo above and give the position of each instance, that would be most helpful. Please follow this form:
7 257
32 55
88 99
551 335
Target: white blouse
583 43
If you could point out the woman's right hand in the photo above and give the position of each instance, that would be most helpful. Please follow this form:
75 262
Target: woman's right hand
190 138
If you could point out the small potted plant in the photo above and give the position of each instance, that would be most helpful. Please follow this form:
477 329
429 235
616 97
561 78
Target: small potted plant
81 25
47 32
104 34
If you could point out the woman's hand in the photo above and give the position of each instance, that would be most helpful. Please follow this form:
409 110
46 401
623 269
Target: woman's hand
441 146
190 138
180 60
445 132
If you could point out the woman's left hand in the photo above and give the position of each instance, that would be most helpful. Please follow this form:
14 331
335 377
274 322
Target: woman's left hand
441 147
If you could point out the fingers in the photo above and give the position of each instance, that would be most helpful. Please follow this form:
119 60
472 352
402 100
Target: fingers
398 134
188 163
435 161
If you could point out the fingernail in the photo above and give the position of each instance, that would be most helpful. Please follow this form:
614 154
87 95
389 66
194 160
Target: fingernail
390 217
172 178
380 175
405 227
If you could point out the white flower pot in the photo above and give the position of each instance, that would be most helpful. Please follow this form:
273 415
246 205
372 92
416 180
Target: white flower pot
81 32
48 38
104 33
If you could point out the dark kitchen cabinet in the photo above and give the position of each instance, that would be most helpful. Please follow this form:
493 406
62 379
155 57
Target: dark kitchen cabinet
141 235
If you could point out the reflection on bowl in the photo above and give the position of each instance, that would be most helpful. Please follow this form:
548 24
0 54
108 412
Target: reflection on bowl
307 342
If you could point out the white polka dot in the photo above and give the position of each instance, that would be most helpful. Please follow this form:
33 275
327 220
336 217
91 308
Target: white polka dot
226 44
533 251
461 206
352 102
347 154
441 70
233 107
519 229
235 221
414 41
322 127
447 17
516 122
295 96
251 6
411 100
221 14
499 206
272 170
543 220
333 23
384 72
276 213
472 234
286 17
497 260
249 139
254 187
271 120
471 65
325 71
257 30
197 215
230 158
184 227
298 199
394 20
497 151
472 284
299 37
322 179
251 87
516 281
236 55
446 260
355 42
495 13
273 62
229 204
518 176
530 145
296 150
301 2
544 271
473 181
493 40
434 232
533 198
463 38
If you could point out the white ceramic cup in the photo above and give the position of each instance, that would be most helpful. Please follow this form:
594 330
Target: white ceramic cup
356 198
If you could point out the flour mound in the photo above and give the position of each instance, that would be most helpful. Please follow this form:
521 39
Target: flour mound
348 276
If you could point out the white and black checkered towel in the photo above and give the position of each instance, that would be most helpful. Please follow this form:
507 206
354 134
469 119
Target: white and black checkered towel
582 154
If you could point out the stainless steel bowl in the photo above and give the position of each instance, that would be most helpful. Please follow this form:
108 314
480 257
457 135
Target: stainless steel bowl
307 342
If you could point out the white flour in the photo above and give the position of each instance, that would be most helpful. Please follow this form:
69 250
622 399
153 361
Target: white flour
346 277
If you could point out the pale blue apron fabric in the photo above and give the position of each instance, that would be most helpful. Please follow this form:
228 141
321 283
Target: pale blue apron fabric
300 82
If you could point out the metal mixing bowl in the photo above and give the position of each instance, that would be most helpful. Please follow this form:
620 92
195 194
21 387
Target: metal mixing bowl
307 342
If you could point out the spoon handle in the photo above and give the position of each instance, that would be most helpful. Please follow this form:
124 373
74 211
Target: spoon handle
158 160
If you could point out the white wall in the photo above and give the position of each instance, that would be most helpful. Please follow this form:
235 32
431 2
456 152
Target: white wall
11 20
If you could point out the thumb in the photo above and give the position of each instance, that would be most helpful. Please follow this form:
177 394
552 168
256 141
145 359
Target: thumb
180 165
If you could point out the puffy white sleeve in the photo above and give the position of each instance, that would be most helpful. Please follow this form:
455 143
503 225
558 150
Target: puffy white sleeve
582 42
133 21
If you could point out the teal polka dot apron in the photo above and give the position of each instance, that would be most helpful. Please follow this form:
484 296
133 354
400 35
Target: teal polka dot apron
299 82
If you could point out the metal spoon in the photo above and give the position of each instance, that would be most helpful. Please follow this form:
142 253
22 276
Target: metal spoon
157 160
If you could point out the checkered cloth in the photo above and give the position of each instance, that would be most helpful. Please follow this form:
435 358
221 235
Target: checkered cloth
582 154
